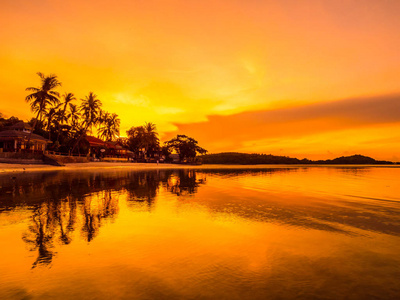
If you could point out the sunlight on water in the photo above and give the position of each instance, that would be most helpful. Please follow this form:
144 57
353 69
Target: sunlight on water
264 233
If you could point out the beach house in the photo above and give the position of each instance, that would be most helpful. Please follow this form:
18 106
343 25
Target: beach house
15 138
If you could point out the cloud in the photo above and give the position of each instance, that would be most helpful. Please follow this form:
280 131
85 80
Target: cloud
234 131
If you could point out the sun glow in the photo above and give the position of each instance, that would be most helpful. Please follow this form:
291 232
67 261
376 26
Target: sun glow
179 64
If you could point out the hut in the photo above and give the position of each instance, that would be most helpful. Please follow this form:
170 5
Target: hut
15 138
97 146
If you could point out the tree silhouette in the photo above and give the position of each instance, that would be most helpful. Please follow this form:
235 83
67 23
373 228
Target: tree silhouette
151 141
109 126
90 111
42 96
143 137
186 147
62 114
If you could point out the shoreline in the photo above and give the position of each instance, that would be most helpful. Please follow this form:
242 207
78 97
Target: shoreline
11 168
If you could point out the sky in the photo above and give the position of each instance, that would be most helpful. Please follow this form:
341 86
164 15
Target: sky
311 78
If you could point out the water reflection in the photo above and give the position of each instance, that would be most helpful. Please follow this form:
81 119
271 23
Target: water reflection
62 203
185 182
273 233
56 219
95 208
40 235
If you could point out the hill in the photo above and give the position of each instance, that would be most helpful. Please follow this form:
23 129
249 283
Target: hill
235 158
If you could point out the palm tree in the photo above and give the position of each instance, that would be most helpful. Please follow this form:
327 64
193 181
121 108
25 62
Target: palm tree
143 137
73 115
62 116
51 116
109 128
151 140
43 96
90 108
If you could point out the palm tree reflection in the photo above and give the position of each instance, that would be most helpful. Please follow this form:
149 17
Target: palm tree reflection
65 205
95 208
40 235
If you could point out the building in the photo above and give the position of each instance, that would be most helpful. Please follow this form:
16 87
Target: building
116 149
101 149
97 147
15 139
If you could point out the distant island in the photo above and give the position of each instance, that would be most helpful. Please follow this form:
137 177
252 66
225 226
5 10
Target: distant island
234 158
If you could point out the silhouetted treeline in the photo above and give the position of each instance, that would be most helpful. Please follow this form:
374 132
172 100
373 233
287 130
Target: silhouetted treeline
235 158
354 160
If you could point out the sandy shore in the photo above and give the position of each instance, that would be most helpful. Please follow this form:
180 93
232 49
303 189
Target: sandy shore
8 168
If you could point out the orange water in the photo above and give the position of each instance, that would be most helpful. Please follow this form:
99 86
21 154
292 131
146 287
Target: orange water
266 233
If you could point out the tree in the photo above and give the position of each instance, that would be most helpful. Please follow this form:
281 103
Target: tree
62 115
51 116
109 126
135 139
73 116
90 110
43 96
8 122
166 151
186 147
144 137
151 140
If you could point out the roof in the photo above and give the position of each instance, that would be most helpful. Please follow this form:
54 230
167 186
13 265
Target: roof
114 145
110 145
93 141
14 134
20 126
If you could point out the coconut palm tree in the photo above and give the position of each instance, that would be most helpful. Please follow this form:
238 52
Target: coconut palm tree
136 137
90 111
62 112
151 140
73 116
42 96
109 128
51 116
62 116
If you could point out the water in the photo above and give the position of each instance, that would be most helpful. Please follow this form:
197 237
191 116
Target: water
263 233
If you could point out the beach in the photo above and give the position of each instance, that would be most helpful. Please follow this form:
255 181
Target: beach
8 168
92 166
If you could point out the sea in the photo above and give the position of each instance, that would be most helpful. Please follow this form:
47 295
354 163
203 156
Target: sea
264 232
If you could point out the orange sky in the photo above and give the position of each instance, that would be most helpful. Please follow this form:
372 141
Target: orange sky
315 79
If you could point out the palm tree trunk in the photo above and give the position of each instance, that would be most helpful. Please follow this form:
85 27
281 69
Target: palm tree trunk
49 134
79 139
34 127
58 125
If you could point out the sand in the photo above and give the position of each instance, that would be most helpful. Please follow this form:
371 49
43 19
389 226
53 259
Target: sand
7 168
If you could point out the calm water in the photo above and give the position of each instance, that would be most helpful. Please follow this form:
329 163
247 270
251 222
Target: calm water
273 233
